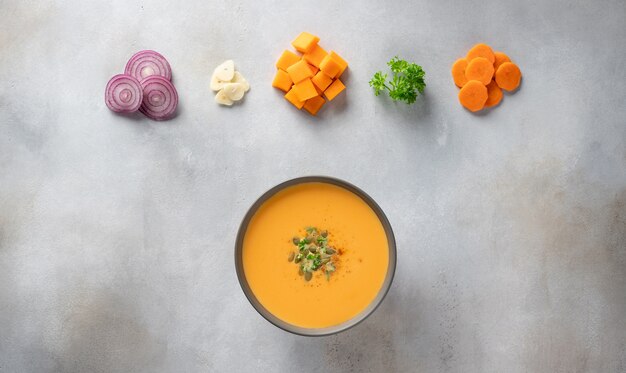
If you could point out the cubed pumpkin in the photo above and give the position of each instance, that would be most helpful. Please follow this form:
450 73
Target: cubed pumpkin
282 80
321 80
313 105
334 89
315 56
343 63
319 91
330 66
299 71
305 42
293 98
314 69
305 90
287 59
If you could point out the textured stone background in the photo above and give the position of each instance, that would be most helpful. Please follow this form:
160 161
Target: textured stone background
116 234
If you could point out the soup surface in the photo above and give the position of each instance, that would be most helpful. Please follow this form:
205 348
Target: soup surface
353 229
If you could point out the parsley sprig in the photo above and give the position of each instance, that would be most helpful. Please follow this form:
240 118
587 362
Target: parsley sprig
407 81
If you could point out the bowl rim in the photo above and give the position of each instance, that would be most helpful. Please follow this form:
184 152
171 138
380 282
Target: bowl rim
365 313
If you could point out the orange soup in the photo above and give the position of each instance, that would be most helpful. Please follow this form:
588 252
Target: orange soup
354 231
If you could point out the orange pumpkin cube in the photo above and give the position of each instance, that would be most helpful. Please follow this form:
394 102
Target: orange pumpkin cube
287 59
305 42
291 97
340 61
314 69
299 71
321 80
313 105
319 91
282 80
305 90
330 67
334 89
315 56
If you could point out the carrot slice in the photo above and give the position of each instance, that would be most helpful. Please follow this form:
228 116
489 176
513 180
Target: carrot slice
458 72
508 76
479 69
473 95
494 94
500 59
481 50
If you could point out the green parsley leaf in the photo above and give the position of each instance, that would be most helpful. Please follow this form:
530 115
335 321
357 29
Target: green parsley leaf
407 81
378 82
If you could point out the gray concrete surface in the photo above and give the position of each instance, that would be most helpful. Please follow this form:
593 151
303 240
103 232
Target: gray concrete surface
116 234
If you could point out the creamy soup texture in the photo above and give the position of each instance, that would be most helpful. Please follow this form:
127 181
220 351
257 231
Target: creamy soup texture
354 230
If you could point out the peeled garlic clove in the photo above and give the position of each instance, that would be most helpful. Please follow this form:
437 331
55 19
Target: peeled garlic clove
225 71
234 91
222 99
216 84
238 78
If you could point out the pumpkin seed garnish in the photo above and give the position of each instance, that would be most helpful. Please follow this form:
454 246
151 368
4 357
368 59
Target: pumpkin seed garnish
291 256
330 267
299 258
313 253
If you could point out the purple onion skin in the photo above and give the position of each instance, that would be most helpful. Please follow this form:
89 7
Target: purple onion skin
146 63
123 94
160 98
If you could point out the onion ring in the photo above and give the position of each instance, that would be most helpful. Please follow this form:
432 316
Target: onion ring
160 98
148 63
123 94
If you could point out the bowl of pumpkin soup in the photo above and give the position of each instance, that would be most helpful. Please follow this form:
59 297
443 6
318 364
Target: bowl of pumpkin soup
315 255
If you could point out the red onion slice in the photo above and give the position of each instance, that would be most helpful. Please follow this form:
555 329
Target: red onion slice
148 63
123 94
159 98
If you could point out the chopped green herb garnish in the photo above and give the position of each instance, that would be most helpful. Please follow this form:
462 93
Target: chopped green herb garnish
406 84
313 253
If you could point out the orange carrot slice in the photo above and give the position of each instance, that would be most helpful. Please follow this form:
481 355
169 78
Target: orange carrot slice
481 50
508 76
458 72
500 59
494 94
479 69
473 95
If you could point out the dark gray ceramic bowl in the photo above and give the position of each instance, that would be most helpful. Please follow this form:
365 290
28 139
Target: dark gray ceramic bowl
315 331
